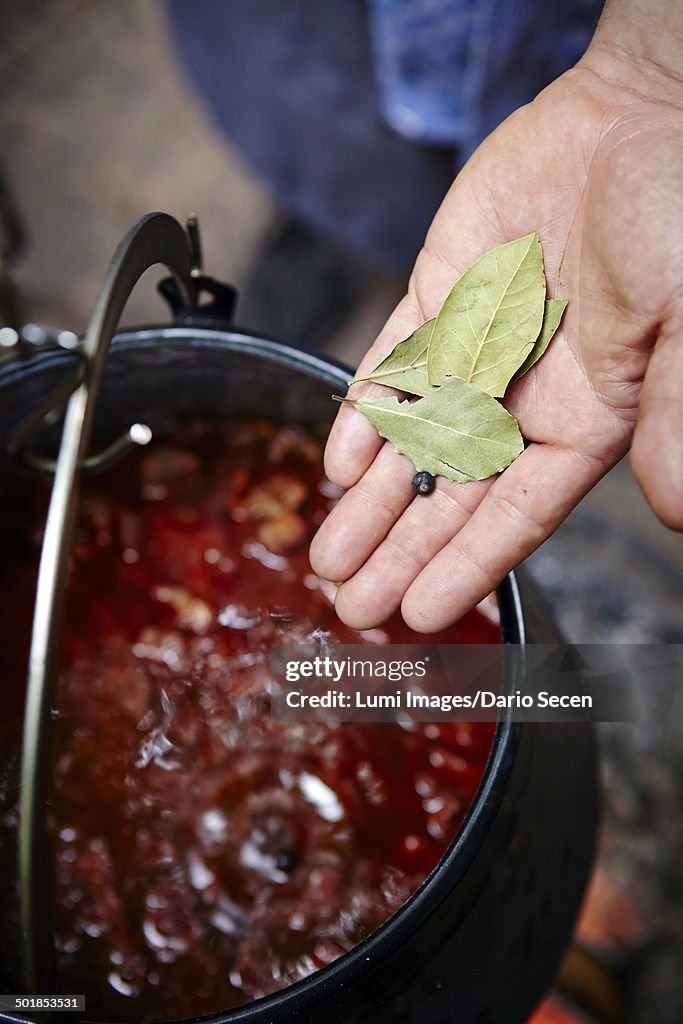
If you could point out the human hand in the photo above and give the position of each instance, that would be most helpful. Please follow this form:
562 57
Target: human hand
593 165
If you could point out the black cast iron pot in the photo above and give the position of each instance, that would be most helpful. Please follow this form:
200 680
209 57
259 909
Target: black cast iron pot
480 941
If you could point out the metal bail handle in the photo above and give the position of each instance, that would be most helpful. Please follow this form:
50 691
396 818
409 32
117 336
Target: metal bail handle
157 238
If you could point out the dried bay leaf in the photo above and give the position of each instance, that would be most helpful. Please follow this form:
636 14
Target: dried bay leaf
490 320
457 431
554 308
405 367
494 326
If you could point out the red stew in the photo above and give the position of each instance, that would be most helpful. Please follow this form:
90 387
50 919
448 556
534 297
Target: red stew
205 855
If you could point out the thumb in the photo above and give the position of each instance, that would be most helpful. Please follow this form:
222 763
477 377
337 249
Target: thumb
657 451
353 442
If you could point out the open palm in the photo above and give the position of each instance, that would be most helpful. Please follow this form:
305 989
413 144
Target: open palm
594 168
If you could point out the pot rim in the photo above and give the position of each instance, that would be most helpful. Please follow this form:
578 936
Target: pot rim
343 972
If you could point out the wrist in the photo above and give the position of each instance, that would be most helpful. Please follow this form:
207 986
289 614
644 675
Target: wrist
637 45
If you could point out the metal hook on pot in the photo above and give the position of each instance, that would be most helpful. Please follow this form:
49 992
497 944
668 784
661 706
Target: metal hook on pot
33 338
23 345
157 238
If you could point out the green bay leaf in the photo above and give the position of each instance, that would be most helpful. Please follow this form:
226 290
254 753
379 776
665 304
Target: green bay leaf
490 320
405 367
457 431
554 308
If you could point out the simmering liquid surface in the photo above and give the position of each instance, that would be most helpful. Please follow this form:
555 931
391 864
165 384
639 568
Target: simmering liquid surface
203 854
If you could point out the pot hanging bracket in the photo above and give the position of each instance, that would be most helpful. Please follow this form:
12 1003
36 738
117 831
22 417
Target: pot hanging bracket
157 238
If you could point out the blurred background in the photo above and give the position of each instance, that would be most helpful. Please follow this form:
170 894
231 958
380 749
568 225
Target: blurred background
98 126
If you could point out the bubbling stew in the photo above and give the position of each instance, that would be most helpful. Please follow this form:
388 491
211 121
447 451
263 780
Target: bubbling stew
205 855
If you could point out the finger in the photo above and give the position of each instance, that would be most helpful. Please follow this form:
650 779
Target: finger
522 508
657 452
353 442
363 516
375 591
